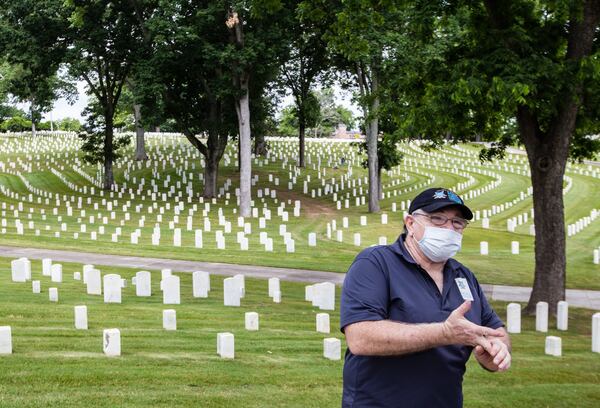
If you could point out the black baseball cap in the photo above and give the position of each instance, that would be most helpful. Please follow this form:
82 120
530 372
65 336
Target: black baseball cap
434 199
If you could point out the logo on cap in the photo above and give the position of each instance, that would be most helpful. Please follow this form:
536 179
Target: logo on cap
454 197
440 194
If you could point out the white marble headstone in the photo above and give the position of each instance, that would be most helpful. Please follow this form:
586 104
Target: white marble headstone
112 288
171 290
112 342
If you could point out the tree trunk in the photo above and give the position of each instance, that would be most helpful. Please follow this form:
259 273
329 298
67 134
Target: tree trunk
140 142
547 155
372 133
32 111
301 133
211 172
379 186
243 113
109 179
260 144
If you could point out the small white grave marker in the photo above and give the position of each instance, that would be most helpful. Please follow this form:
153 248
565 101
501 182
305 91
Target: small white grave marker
225 345
53 294
171 290
169 319
112 288
553 346
323 323
111 342
513 318
81 319
332 349
562 315
541 317
5 340
36 287
251 321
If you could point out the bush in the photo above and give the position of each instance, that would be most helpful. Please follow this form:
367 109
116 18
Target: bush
69 125
16 124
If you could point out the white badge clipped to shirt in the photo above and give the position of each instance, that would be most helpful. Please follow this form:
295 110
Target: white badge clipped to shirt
463 287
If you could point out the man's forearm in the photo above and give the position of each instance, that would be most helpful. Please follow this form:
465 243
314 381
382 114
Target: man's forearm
387 338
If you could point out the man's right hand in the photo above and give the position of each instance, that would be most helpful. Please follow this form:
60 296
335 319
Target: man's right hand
458 330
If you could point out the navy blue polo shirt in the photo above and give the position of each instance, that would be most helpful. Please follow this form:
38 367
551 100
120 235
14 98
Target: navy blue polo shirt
385 283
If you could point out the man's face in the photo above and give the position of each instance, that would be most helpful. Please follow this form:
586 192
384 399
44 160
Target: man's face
416 223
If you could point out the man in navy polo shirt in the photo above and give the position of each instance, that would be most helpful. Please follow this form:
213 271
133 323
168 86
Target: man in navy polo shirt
412 316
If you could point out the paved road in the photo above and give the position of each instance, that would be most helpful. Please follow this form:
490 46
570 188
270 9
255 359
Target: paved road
578 298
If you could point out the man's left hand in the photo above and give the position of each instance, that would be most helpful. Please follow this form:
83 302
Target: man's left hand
498 359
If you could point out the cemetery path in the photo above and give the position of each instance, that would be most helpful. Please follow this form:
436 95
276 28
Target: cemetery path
588 299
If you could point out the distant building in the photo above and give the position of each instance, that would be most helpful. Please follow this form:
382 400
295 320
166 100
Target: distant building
341 132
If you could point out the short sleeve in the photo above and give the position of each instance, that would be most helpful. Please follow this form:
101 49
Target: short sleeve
365 293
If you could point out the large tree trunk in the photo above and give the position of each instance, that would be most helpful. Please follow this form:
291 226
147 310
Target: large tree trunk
211 172
301 134
140 142
547 154
243 113
109 179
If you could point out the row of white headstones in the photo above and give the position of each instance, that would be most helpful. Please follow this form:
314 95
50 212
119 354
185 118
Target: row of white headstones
322 295
553 344
290 244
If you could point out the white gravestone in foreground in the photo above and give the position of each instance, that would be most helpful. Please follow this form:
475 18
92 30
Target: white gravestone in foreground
46 265
231 292
171 290
200 284
112 342
81 320
484 248
143 283
562 315
541 317
56 273
251 322
513 318
5 340
553 346
332 349
225 345
19 269
274 285
323 323
324 296
112 288
53 294
94 282
36 286
169 319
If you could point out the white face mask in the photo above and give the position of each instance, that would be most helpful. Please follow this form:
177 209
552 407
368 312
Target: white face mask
440 244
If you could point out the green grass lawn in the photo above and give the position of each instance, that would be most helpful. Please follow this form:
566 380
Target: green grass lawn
281 365
449 166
